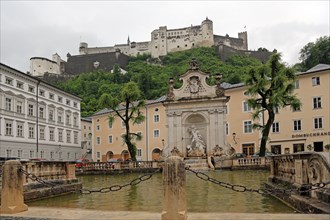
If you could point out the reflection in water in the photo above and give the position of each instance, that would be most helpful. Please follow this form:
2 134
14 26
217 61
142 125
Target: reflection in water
202 196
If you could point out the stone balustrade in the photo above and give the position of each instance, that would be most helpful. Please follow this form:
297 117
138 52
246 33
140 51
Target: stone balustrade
55 178
117 166
49 171
301 171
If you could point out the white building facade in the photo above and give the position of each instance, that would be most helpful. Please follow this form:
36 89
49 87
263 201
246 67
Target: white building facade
37 120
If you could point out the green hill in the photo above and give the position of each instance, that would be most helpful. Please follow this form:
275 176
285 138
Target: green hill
152 75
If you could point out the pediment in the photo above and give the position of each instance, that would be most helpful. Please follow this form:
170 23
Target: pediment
194 85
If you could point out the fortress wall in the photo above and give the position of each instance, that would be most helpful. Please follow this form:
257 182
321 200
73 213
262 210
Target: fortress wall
39 66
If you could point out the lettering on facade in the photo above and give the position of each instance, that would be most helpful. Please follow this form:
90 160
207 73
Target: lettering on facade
315 134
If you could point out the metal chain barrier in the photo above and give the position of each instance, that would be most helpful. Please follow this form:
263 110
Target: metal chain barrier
263 191
117 187
35 178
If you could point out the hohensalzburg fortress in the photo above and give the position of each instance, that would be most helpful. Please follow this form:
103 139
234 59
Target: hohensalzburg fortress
164 41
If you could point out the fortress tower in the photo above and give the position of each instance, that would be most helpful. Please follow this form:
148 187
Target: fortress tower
243 36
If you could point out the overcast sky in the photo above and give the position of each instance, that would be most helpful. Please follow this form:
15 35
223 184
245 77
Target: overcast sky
42 28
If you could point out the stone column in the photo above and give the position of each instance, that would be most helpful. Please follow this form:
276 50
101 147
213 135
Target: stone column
12 198
174 181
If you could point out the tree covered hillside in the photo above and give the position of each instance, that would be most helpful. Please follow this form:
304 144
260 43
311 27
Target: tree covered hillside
152 75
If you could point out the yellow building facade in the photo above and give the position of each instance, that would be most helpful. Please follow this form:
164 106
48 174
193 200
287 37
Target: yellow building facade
108 144
304 129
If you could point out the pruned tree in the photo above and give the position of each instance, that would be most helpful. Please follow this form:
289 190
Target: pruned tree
270 87
127 107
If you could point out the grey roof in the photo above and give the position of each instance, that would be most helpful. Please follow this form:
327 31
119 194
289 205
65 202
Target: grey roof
317 68
88 119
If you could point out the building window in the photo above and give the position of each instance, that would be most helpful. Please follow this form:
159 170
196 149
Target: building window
139 152
315 80
19 85
75 104
275 109
51 96
31 154
97 127
9 81
123 124
52 134
98 154
110 139
31 89
297 125
31 131
59 117
68 119
298 148
248 149
156 133
68 155
41 112
68 102
9 128
247 126
8 104
19 153
318 123
19 130
227 128
296 109
42 133
110 125
60 135
75 137
317 103
60 155
156 118
8 153
276 127
51 114
296 84
51 155
42 93
68 136
19 107
75 122
31 110
98 140
60 99
246 107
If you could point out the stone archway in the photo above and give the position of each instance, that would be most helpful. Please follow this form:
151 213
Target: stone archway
109 155
125 155
156 154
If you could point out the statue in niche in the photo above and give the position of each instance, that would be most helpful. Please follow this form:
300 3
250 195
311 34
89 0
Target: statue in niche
194 84
197 148
225 152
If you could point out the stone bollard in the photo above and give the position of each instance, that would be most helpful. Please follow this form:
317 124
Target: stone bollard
12 198
174 181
